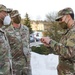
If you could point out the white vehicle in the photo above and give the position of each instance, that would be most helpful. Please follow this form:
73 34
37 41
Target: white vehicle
38 35
31 38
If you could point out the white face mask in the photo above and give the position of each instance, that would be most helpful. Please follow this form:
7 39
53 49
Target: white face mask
7 20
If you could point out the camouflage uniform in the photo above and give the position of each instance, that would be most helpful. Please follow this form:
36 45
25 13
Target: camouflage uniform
65 49
19 42
4 50
4 54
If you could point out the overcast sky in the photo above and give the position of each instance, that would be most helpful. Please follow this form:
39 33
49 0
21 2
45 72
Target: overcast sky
37 9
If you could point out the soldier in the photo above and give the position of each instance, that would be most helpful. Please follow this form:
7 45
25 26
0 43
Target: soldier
18 35
66 47
5 56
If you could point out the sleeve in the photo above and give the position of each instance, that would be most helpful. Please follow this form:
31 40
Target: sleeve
26 30
28 36
67 50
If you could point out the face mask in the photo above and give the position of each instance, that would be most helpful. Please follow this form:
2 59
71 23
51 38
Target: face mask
63 25
17 19
7 20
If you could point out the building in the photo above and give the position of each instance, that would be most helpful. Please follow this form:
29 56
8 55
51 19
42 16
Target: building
37 26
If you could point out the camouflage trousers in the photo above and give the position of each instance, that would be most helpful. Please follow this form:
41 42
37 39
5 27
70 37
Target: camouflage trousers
4 68
21 67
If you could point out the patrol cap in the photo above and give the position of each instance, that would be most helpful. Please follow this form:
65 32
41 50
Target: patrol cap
14 13
63 12
3 8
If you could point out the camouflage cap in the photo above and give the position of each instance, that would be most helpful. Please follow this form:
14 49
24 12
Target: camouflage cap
3 8
14 13
63 12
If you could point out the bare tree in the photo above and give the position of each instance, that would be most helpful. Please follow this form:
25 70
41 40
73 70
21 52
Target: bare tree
54 27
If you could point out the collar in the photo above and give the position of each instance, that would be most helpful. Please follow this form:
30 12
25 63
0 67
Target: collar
72 26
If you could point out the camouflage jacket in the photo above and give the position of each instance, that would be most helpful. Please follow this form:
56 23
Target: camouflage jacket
4 46
66 51
4 54
19 41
